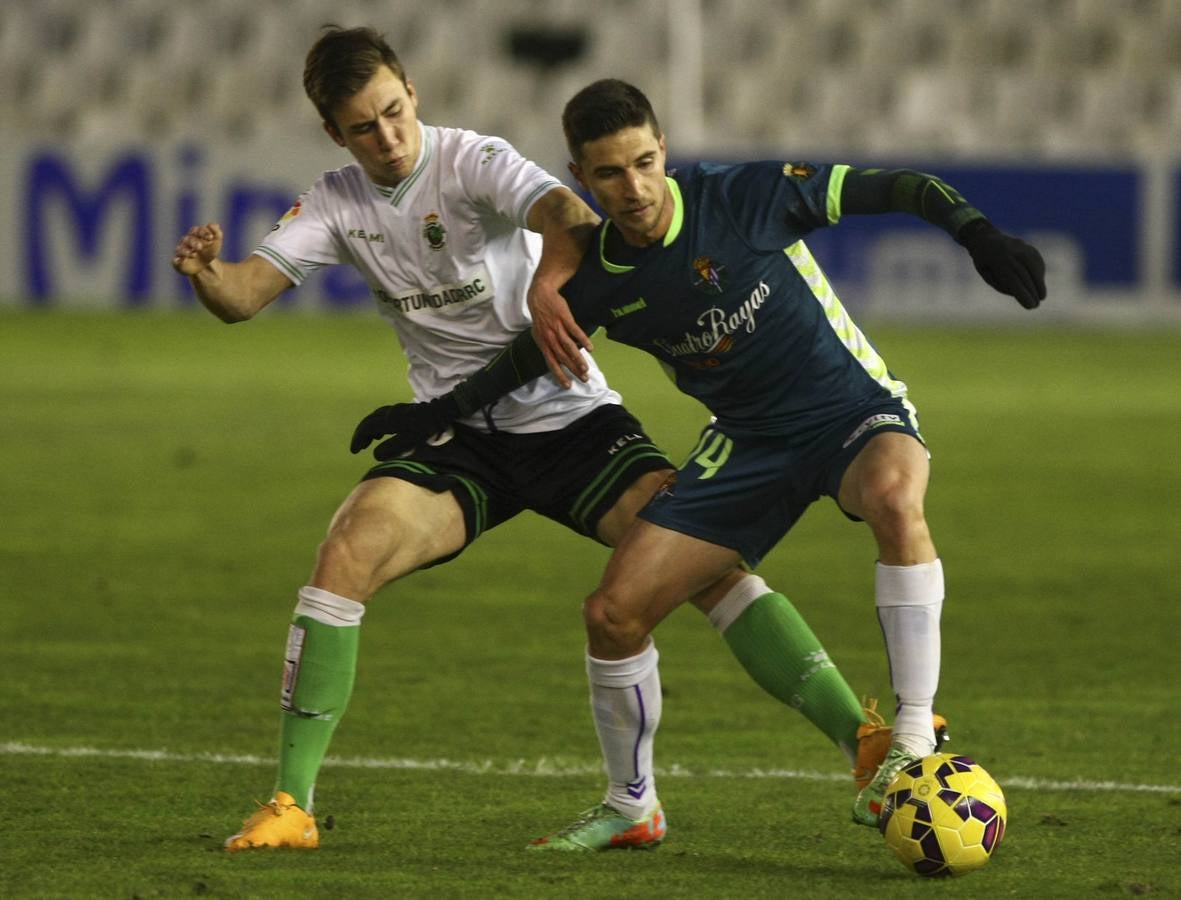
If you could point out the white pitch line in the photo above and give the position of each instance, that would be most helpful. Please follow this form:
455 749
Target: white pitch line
540 768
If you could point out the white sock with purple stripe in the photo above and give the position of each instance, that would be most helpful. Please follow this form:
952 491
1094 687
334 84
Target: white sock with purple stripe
909 602
626 703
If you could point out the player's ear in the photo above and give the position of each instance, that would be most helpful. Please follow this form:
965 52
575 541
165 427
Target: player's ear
577 173
412 94
333 132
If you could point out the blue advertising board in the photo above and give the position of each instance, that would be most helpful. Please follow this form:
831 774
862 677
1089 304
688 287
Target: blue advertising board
103 225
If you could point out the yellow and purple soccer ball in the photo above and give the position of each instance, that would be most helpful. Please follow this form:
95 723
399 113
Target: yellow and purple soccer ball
943 815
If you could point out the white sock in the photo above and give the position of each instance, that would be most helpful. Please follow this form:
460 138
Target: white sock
745 592
626 703
909 601
328 608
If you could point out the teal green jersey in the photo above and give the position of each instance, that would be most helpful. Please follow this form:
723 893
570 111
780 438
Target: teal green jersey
733 303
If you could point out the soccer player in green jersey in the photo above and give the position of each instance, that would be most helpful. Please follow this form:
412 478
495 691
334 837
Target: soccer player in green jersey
706 269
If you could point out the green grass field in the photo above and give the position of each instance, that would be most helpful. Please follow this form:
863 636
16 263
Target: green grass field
164 481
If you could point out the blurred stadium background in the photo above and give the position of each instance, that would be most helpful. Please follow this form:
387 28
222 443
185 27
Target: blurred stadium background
128 120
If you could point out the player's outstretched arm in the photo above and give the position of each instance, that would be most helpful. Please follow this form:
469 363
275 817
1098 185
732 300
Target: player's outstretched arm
1006 263
565 224
409 424
233 292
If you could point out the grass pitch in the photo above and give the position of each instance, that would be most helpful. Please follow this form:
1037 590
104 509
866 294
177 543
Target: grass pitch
164 481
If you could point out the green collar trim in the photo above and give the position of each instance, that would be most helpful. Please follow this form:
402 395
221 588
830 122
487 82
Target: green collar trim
425 152
674 230
674 227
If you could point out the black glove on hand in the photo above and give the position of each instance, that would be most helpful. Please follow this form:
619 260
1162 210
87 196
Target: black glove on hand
409 423
1007 263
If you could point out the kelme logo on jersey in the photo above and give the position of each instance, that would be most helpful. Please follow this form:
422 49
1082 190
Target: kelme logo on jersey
707 275
360 234
798 170
433 231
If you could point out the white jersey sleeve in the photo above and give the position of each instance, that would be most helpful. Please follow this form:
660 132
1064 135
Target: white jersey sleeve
500 179
303 239
448 259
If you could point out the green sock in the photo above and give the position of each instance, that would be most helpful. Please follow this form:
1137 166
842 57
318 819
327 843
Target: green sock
779 651
322 662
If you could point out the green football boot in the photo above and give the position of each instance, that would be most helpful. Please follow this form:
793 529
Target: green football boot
868 805
605 828
875 737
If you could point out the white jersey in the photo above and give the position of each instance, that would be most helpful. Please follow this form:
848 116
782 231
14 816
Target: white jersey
448 258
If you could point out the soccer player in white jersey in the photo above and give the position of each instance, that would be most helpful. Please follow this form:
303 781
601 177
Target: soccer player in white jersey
453 232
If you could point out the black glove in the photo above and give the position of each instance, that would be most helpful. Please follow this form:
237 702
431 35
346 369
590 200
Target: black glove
409 423
1007 263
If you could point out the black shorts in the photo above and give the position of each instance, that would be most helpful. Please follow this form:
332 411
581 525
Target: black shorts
573 475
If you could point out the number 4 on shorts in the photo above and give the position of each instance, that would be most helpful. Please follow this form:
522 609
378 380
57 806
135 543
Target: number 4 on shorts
711 453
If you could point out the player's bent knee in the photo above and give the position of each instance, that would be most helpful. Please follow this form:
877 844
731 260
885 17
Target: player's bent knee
900 527
609 624
898 524
892 498
361 555
385 530
345 569
896 511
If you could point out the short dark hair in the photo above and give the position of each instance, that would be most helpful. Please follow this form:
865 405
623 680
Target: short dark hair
603 108
341 62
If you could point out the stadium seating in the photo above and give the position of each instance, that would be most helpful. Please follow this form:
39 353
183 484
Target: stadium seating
1053 79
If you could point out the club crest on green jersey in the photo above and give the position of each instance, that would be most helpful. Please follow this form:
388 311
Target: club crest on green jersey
708 275
433 231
